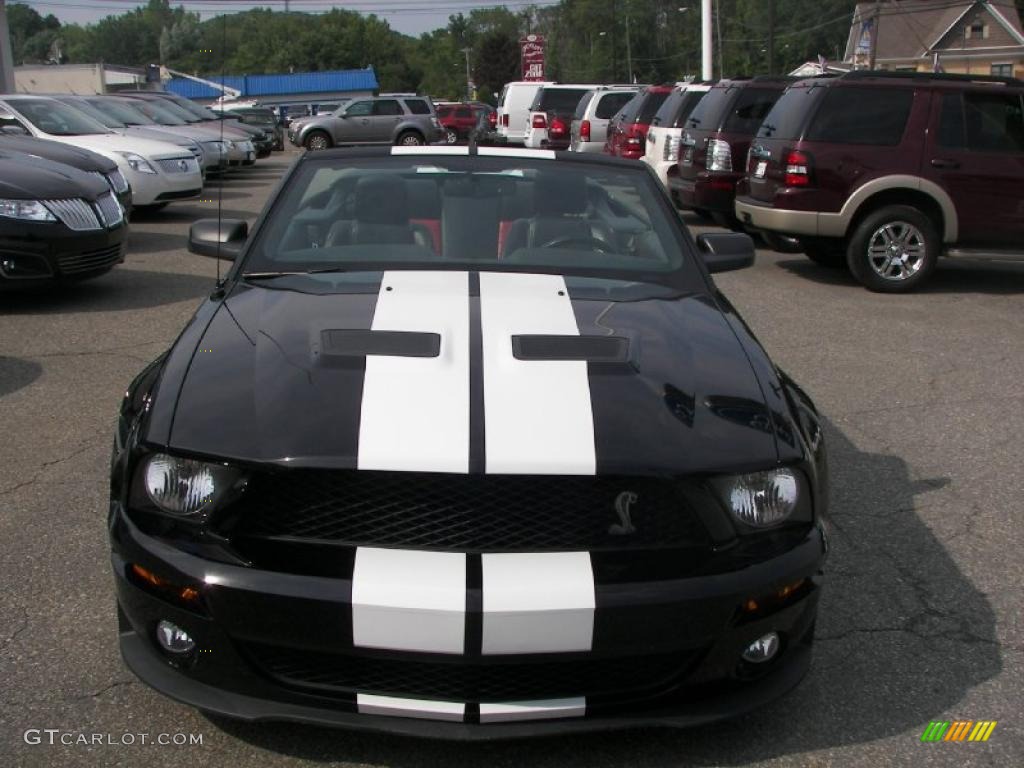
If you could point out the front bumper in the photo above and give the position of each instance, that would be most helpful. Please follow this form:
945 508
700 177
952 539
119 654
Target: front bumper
151 188
33 254
695 621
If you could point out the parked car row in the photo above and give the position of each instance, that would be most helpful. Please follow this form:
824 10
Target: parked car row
74 167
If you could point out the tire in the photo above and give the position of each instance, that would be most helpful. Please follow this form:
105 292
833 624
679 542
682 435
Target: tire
316 140
824 252
893 249
409 139
451 136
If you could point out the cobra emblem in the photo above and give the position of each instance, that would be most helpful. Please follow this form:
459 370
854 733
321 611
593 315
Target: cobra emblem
623 502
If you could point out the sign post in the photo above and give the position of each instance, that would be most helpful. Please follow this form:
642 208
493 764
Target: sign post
531 55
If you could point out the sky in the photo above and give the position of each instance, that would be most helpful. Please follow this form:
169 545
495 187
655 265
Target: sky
411 17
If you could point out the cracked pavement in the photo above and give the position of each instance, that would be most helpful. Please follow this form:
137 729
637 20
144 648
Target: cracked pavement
920 618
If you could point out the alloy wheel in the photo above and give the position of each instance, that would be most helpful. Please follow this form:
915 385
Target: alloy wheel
316 142
896 250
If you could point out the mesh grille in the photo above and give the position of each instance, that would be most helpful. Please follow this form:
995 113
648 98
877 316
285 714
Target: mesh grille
178 165
88 261
466 512
118 181
471 680
110 210
75 214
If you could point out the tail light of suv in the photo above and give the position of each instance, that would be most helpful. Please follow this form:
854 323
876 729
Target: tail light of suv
688 142
585 130
492 119
558 128
635 139
798 169
504 120
719 155
670 149
539 121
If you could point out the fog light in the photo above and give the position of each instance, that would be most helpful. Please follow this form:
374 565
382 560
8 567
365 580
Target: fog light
174 639
763 649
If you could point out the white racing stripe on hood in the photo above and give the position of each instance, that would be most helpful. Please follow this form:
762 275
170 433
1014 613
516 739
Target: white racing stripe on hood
538 412
415 411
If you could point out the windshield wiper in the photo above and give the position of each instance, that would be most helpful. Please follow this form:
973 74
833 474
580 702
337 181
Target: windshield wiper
272 275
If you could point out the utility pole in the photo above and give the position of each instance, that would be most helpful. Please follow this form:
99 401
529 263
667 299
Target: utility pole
615 52
6 54
469 76
707 66
629 51
874 33
771 37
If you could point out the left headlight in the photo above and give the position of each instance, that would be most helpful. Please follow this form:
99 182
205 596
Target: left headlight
761 499
28 210
137 162
188 488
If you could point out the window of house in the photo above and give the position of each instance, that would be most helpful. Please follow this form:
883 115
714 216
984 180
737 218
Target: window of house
977 30
1002 70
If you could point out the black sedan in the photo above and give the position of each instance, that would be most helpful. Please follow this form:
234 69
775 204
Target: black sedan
82 159
468 445
57 224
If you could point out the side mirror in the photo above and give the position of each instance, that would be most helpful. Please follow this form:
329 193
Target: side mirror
14 130
207 236
726 251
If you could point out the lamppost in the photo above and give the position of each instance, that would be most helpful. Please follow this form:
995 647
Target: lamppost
469 76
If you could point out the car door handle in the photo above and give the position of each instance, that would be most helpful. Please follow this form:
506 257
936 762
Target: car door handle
942 163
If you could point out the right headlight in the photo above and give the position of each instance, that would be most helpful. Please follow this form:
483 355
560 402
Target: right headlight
188 488
762 499
27 210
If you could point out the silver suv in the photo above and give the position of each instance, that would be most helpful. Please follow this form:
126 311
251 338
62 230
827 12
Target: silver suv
408 120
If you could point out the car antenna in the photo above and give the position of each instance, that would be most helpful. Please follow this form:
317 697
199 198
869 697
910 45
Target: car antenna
220 182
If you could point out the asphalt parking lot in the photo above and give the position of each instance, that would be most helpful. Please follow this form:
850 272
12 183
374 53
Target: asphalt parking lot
920 620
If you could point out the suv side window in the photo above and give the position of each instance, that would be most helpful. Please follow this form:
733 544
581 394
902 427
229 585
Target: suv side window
360 109
875 116
464 112
387 107
611 103
418 106
994 122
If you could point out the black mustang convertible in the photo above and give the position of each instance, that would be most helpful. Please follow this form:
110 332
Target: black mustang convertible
467 444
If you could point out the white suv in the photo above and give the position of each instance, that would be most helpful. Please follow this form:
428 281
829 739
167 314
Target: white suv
595 110
666 131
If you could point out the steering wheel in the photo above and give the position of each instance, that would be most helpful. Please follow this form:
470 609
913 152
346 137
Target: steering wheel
587 242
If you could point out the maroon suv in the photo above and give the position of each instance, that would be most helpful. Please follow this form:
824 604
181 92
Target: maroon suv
627 131
883 172
716 137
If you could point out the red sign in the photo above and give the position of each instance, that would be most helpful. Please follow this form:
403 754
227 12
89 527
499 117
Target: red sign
531 54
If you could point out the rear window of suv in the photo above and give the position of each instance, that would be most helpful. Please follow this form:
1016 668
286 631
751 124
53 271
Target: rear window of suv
677 108
787 118
611 103
651 104
707 115
750 109
875 116
562 100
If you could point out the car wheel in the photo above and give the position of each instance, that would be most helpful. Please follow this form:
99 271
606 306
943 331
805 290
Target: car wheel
409 139
317 140
893 249
451 136
824 252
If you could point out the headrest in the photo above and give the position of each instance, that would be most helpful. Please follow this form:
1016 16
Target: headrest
560 194
381 200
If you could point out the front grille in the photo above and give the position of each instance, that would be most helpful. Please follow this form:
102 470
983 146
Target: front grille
110 210
493 679
490 513
89 261
178 165
74 213
118 181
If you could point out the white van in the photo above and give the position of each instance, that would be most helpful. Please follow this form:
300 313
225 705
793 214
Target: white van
514 108
661 151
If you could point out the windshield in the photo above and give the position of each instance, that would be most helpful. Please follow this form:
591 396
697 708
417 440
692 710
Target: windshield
496 212
157 113
95 114
194 110
57 119
170 106
119 110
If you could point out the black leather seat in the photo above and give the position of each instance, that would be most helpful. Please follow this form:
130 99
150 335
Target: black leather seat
561 214
381 217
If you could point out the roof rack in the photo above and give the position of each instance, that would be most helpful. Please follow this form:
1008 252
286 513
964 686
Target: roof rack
865 74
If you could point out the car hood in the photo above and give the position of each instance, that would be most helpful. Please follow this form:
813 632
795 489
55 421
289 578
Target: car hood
30 177
110 144
266 383
76 157
156 134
